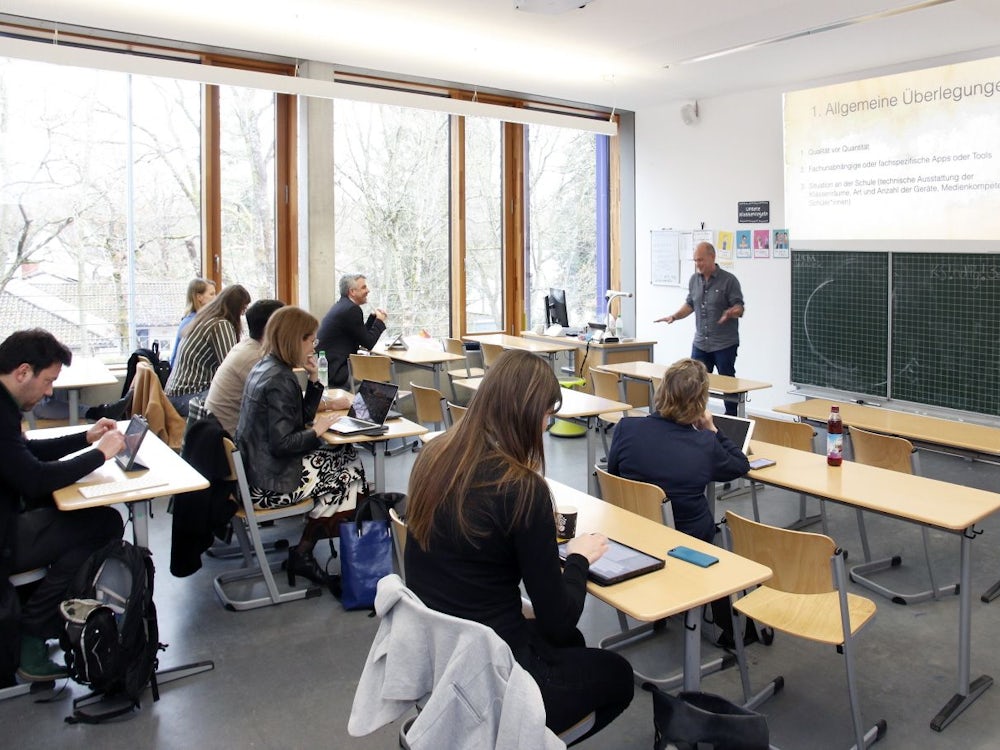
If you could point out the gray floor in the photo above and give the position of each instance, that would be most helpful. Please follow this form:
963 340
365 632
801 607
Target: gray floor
285 676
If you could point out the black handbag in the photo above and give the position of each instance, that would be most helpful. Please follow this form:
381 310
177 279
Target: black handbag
366 550
690 718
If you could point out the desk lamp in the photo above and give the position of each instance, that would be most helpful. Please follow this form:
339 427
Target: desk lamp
612 330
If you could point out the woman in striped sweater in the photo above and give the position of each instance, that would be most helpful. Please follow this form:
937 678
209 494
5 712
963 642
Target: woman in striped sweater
204 344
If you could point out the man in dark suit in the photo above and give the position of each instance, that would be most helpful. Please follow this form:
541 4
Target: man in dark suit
33 532
344 328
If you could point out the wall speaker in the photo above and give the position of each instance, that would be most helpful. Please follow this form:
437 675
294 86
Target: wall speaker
689 113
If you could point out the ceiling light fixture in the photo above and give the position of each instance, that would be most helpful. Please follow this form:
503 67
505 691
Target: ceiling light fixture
550 7
810 32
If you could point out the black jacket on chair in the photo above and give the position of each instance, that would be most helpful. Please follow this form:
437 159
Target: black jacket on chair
200 516
342 331
272 435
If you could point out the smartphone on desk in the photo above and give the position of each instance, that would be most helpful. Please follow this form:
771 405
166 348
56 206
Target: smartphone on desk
701 559
762 463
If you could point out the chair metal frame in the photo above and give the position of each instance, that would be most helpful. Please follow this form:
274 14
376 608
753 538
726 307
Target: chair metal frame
896 454
255 562
806 597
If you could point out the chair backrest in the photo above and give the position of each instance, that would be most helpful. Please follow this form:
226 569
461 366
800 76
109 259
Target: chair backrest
883 451
456 412
230 447
605 384
491 353
799 560
797 435
370 367
429 403
641 498
398 539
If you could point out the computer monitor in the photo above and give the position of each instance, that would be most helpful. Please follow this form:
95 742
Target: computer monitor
555 308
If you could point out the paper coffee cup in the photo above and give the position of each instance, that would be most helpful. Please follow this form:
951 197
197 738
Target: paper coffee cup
565 522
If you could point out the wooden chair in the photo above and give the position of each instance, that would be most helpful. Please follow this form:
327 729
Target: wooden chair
606 386
398 540
255 563
797 435
456 412
431 410
806 597
455 346
641 498
491 353
895 454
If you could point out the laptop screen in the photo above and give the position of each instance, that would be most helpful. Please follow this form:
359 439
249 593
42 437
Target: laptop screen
737 429
134 434
373 401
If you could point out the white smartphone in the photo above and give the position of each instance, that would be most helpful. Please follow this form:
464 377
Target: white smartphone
761 463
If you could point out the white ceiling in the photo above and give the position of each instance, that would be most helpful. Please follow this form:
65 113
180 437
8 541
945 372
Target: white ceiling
611 53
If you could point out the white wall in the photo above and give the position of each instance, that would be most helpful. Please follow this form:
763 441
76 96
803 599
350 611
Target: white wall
688 174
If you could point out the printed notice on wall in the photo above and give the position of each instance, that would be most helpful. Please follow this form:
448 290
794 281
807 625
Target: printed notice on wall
666 246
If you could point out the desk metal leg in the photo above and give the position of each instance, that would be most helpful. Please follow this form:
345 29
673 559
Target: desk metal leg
140 523
592 487
967 692
74 406
436 370
692 649
379 466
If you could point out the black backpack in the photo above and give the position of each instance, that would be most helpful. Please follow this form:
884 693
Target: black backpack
111 638
160 367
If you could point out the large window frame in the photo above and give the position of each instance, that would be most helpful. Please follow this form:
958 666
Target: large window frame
287 214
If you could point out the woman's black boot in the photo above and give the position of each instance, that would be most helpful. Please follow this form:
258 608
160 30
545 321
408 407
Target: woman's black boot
305 565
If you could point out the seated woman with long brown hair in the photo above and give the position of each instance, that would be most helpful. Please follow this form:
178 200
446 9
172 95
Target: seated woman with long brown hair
279 436
480 521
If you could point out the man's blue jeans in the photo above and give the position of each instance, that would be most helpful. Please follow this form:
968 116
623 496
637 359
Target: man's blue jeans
723 360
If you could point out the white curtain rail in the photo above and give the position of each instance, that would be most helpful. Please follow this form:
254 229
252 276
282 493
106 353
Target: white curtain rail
221 76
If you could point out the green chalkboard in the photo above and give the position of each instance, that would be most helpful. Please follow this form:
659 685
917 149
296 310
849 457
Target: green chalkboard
939 344
946 330
840 311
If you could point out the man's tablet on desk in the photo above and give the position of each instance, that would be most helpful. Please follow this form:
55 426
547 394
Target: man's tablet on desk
619 563
134 434
369 411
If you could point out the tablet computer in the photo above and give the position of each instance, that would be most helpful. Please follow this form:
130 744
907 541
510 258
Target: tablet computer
134 433
620 563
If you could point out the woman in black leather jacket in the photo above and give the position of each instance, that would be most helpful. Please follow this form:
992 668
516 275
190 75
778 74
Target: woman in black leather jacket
279 436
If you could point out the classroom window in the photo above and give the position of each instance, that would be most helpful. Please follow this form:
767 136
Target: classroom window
484 246
562 222
391 210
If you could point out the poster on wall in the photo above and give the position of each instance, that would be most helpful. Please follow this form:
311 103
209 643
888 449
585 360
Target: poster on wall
743 244
761 243
665 247
724 249
780 243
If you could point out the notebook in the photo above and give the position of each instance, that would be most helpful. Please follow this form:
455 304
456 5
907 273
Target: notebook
619 563
369 411
134 434
736 429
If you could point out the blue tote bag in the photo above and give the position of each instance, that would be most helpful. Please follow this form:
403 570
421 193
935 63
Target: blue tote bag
366 551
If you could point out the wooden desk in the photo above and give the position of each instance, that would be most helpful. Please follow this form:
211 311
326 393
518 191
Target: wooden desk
948 507
83 373
398 428
548 349
423 357
720 386
678 587
177 474
580 407
590 354
965 437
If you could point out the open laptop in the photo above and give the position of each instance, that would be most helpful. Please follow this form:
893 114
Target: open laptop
397 344
134 434
737 429
619 563
369 411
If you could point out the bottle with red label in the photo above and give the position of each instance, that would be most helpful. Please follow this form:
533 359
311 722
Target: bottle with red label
834 438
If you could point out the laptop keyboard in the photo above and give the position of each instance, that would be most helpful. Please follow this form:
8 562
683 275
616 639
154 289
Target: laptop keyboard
350 423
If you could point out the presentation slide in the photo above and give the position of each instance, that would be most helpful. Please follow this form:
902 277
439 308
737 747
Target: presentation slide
910 156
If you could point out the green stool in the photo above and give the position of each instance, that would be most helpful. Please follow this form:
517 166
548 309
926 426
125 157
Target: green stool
561 427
